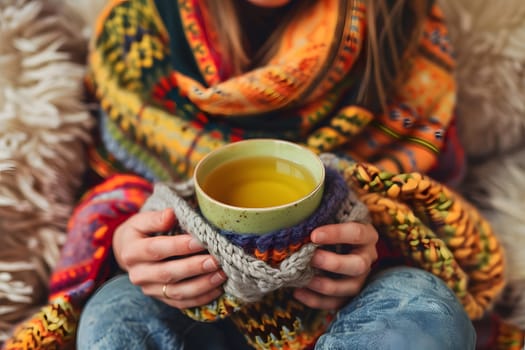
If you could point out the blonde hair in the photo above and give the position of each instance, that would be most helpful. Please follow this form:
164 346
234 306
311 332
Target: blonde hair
393 33
225 20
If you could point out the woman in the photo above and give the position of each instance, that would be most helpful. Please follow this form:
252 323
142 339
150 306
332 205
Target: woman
369 81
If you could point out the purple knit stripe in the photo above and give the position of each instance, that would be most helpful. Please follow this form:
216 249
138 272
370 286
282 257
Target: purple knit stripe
335 192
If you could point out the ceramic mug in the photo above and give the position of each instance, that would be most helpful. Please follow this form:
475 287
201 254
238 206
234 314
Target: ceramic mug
259 185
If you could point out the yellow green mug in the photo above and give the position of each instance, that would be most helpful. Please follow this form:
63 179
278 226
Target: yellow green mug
259 185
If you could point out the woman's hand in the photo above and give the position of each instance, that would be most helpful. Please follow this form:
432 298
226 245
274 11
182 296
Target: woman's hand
330 293
186 281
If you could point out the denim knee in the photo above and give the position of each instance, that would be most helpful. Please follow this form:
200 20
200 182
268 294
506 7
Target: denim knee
402 308
120 316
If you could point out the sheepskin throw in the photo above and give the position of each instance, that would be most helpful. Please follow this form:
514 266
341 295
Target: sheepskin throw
489 40
43 127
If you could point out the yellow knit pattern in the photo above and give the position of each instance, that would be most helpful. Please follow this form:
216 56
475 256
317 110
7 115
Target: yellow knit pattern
437 230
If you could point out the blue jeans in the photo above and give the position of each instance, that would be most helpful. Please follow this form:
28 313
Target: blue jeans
400 308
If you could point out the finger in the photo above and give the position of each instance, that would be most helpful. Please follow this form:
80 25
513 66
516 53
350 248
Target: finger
187 291
318 301
127 236
348 233
149 222
342 264
342 287
158 248
173 270
200 300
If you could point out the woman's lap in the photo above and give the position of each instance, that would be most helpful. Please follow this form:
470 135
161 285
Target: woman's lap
401 308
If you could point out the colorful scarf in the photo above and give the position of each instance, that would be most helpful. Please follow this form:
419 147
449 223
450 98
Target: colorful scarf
165 102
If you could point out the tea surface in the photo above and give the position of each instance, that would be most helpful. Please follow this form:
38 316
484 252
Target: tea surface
258 182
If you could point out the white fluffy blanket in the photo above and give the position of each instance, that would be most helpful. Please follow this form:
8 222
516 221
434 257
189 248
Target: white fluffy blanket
44 126
489 38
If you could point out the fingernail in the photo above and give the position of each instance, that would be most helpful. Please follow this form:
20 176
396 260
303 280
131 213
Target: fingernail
209 264
217 278
319 237
194 244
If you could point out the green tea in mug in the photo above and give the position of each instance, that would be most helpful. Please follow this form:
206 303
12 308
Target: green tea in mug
258 182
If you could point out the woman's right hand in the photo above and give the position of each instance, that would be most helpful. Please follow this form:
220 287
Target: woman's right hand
188 281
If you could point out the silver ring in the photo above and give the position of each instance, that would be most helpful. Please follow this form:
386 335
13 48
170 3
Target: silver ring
164 287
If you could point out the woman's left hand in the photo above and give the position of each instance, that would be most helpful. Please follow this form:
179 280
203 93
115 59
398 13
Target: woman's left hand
330 293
